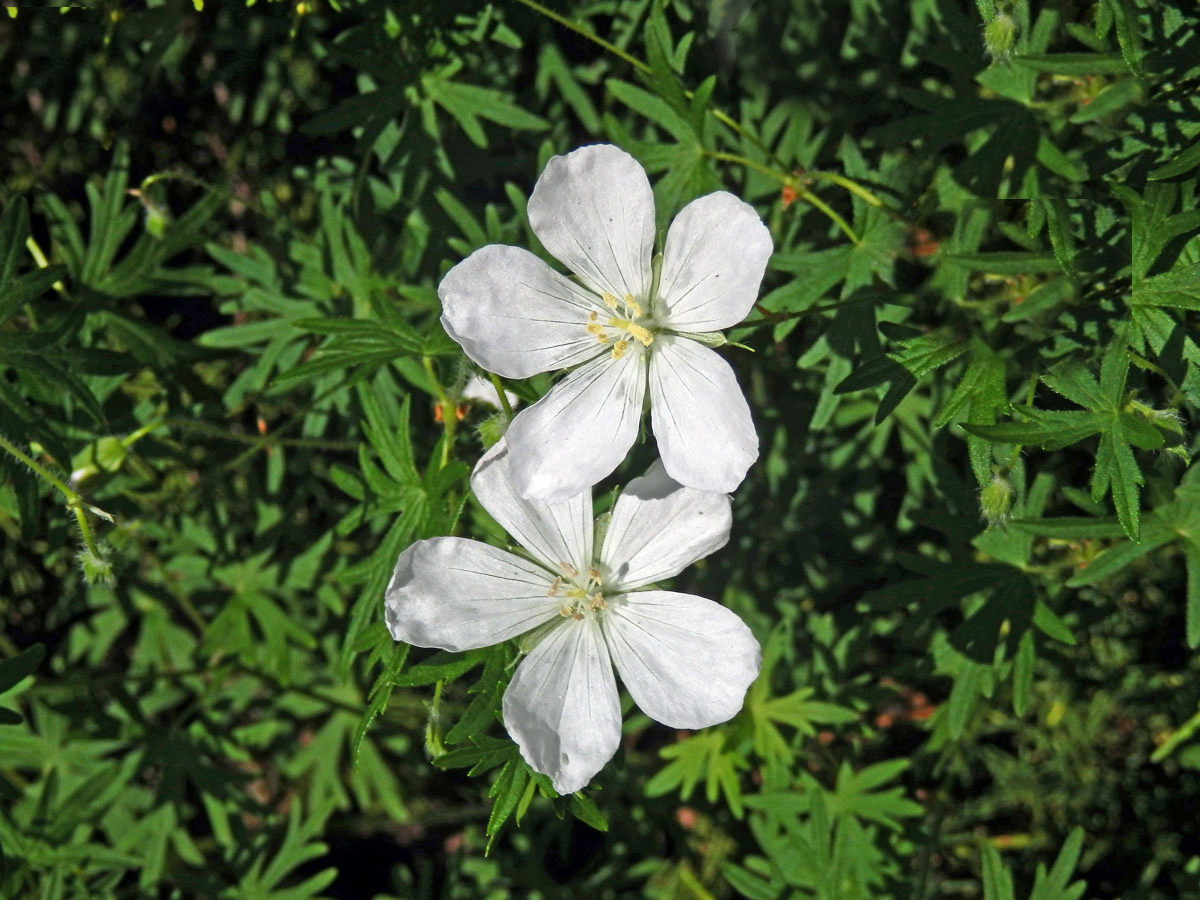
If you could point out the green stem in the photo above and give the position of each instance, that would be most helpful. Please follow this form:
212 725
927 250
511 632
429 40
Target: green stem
221 433
809 197
504 404
612 48
43 263
750 164
201 183
449 410
849 184
74 502
585 33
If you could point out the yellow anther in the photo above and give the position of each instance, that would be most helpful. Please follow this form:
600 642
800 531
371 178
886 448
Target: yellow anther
609 300
619 349
597 330
637 332
633 306
596 601
565 611
641 334
569 569
554 588
594 574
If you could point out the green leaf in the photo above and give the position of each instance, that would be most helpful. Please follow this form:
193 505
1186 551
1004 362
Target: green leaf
1054 884
1192 559
857 794
997 880
468 103
19 667
1178 288
1082 64
1050 430
1015 263
1128 34
1022 676
701 756
584 808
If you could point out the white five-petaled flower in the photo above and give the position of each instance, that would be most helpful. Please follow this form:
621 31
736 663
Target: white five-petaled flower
686 661
624 325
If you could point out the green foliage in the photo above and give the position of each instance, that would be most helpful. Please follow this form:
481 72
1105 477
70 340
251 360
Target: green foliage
970 548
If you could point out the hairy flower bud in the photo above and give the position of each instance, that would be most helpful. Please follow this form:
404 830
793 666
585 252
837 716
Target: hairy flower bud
1000 36
995 501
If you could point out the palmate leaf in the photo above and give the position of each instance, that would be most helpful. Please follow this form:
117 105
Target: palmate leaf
515 783
468 103
1175 522
861 794
1106 413
912 359
706 756
1052 885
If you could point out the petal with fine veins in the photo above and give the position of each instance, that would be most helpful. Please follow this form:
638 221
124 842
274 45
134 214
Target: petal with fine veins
713 263
555 533
686 661
594 211
580 431
701 421
516 316
457 594
659 527
562 707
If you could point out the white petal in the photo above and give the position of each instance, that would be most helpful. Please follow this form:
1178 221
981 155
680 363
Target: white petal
705 434
580 431
555 533
457 594
516 316
562 707
713 263
686 661
594 211
659 527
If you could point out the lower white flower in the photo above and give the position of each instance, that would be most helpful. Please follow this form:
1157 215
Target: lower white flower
686 661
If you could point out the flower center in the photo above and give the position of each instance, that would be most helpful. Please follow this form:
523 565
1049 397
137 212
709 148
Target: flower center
583 597
625 323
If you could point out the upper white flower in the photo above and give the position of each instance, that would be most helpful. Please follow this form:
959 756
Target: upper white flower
686 661
594 211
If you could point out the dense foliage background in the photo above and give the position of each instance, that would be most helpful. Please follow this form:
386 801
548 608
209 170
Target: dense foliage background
971 547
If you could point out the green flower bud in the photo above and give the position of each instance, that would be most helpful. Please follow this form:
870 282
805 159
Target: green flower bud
97 567
995 501
1000 36
492 429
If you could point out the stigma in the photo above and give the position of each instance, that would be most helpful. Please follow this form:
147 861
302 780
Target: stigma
625 323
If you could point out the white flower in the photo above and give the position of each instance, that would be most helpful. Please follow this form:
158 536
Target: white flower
513 315
686 661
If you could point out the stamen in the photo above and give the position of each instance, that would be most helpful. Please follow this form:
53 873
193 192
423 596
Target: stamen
565 611
641 334
633 306
594 574
569 569
553 592
609 300
637 332
596 601
619 348
597 330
